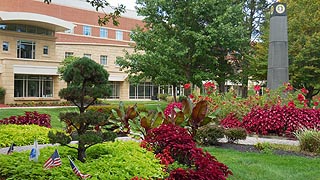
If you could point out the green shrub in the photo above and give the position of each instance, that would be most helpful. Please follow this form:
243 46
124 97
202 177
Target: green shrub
181 98
209 134
264 147
112 160
2 92
22 135
163 97
235 134
309 140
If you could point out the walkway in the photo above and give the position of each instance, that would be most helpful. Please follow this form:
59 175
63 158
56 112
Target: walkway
249 141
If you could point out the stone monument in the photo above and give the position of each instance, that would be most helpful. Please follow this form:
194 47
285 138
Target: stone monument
278 72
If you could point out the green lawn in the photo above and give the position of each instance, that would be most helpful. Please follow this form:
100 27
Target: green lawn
54 112
260 166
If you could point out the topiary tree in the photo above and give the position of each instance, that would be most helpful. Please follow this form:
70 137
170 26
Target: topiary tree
87 81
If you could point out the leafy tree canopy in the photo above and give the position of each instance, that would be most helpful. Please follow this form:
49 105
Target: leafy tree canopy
183 40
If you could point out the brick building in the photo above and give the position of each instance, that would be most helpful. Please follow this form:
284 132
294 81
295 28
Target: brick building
36 37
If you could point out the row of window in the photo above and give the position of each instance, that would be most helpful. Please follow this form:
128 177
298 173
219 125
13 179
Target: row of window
26 29
42 86
87 30
25 49
103 58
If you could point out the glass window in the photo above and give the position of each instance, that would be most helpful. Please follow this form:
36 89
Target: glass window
119 35
5 46
68 54
33 86
45 50
87 55
103 32
21 28
103 60
115 62
115 90
3 26
87 30
26 49
143 91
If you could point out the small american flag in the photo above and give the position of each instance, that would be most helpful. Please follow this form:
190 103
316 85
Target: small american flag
53 161
77 172
10 150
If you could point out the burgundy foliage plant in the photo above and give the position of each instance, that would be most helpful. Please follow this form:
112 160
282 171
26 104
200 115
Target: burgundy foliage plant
29 118
172 143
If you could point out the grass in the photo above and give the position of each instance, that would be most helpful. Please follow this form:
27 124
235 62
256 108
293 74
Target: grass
54 112
257 166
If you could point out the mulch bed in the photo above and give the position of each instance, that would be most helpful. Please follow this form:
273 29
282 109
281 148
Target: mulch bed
251 148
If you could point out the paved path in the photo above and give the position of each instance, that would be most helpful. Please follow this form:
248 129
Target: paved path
249 141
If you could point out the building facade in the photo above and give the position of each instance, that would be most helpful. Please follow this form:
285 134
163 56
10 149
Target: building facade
37 37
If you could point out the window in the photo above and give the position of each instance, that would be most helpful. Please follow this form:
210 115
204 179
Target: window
87 55
119 35
68 54
103 32
45 50
69 31
115 90
115 62
103 60
143 91
33 86
5 46
26 49
87 30
130 35
26 29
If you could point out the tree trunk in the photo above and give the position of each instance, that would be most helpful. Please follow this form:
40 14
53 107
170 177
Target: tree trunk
222 86
244 87
174 90
81 151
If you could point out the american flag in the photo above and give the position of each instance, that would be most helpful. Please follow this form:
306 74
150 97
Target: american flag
10 150
77 172
53 161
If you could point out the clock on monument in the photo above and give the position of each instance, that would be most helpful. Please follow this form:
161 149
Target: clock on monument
278 9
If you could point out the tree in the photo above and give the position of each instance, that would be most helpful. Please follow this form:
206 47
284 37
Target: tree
255 11
184 41
303 44
101 4
87 81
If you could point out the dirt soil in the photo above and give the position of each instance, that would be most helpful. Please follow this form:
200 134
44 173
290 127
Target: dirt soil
251 148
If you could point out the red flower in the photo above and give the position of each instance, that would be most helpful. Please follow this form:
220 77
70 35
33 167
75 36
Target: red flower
208 85
300 97
257 87
289 87
291 104
304 91
187 86
316 103
191 96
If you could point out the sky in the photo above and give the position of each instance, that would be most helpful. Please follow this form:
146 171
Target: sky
128 3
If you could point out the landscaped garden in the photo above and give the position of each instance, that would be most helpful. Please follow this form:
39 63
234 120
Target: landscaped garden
175 140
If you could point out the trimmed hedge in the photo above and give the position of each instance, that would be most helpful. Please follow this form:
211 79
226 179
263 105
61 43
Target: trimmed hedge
111 160
22 135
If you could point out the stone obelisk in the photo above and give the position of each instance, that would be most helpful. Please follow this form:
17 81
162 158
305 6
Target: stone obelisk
278 72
